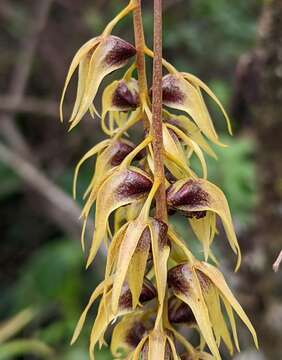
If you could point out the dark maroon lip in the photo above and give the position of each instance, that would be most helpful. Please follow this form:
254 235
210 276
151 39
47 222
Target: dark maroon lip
123 98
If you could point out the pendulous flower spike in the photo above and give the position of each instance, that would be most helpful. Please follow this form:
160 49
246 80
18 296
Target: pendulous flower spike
153 282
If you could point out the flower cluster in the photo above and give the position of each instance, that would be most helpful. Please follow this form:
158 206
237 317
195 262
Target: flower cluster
154 286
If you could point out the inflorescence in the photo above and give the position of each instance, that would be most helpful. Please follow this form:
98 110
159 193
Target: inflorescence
154 287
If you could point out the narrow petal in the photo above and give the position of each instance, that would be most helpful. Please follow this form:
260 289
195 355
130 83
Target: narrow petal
217 278
93 151
97 292
179 94
191 130
79 56
137 266
160 251
193 79
186 287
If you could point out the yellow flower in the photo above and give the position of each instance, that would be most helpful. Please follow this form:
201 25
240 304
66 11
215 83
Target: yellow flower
201 286
97 58
201 201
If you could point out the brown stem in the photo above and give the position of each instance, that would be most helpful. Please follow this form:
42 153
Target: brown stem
140 46
161 209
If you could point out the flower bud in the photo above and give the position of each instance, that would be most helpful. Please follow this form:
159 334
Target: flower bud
134 184
190 195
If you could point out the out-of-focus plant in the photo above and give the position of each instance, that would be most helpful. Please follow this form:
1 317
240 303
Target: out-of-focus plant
11 348
153 282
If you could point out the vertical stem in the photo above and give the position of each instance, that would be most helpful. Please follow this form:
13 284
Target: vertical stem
161 209
140 47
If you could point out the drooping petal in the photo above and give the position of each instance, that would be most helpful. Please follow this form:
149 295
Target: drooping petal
173 147
126 185
193 146
190 129
97 292
111 54
217 278
212 300
179 94
200 84
160 250
93 151
185 285
195 197
79 57
204 229
137 266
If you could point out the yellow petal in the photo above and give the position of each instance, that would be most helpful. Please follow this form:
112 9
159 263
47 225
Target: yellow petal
213 304
97 292
217 278
93 151
203 230
137 266
179 94
160 251
187 288
194 146
191 130
200 84
79 56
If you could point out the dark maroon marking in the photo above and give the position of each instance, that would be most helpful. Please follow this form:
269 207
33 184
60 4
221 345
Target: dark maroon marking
123 98
134 184
179 312
135 334
171 90
144 241
148 293
121 150
162 227
190 194
186 357
177 279
119 52
170 178
189 214
205 282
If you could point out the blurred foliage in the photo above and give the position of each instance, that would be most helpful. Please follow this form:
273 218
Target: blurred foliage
44 270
